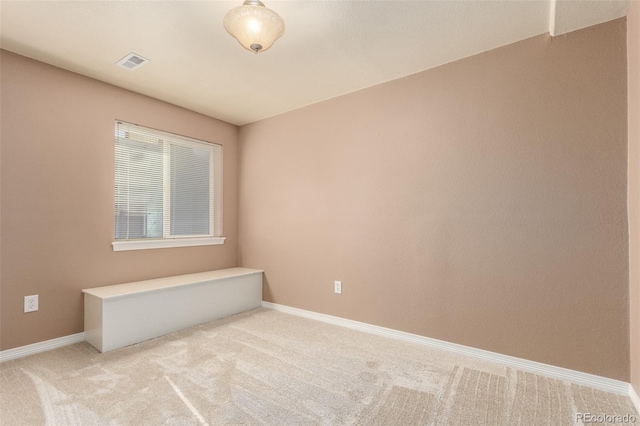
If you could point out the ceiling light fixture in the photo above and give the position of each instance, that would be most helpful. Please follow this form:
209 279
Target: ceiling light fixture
254 26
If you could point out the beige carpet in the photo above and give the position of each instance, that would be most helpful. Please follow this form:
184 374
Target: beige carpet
266 367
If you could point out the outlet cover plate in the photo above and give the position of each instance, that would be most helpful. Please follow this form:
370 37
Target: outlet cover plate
31 303
337 287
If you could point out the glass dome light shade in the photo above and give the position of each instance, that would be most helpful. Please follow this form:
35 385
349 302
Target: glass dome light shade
254 26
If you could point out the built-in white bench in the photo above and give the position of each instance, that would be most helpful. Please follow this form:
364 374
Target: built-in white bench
120 315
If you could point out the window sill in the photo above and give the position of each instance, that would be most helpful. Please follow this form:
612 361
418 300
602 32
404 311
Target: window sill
165 243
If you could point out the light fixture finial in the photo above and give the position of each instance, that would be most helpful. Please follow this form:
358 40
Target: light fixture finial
255 26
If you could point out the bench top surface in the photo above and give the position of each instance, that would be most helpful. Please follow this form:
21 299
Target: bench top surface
118 290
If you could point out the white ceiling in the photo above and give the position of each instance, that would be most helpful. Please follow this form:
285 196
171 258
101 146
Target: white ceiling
329 47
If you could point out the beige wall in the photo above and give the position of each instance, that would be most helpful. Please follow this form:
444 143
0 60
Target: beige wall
633 61
57 195
482 202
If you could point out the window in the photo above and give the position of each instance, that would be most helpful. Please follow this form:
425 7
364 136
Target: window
168 190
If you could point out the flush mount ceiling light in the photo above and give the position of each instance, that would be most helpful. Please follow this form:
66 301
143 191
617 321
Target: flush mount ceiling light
254 26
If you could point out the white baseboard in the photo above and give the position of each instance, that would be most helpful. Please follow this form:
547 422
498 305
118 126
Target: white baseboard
634 398
35 348
577 377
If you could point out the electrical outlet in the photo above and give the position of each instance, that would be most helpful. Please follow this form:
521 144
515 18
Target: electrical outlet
31 303
337 287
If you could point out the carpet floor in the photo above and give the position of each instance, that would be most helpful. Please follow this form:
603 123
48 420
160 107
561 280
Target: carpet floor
267 367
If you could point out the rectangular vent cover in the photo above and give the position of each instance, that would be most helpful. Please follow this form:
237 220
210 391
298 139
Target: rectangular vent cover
132 61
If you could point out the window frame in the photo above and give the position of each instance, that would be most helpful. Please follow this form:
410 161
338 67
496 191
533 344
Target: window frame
215 199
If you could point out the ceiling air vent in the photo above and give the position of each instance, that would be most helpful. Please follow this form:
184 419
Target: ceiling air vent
132 61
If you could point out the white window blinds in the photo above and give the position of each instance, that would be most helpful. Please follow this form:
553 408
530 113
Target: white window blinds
166 186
